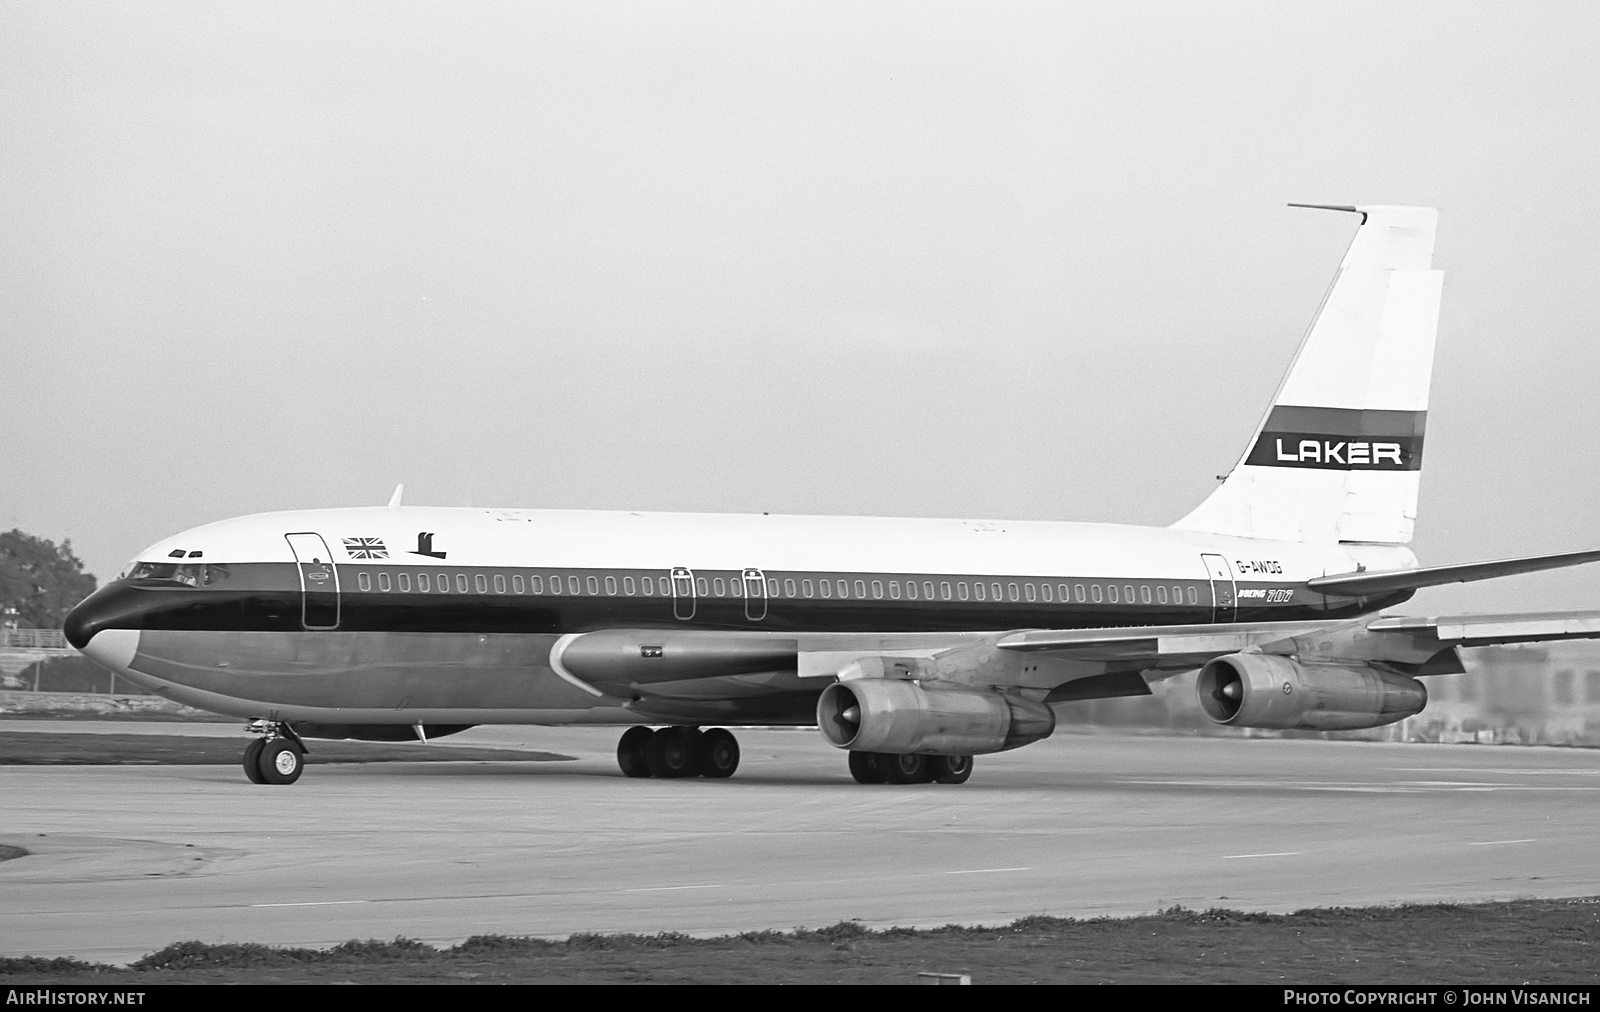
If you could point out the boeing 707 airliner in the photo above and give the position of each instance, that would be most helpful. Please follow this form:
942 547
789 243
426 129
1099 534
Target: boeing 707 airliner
913 644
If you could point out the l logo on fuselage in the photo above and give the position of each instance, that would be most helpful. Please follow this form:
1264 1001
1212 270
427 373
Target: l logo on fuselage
425 546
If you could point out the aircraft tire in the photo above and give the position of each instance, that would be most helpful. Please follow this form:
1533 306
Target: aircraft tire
905 769
717 754
252 761
671 753
950 769
281 762
631 751
867 767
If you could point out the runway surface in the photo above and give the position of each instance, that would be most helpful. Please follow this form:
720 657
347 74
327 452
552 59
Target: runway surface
127 859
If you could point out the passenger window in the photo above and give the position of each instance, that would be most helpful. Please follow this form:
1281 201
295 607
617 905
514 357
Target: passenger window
827 588
717 588
1077 591
788 588
911 589
1011 589
480 581
961 590
572 586
978 591
647 586
877 590
1094 593
805 588
364 581
611 585
700 585
517 586
405 583
383 582
461 583
1029 592
944 590
861 590
627 585
1194 597
1161 595
1111 593
1144 593
1127 592
843 588
593 584
665 585
772 588
422 582
536 584
994 591
927 589
1044 589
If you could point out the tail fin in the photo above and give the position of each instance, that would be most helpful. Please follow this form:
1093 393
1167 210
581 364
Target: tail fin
1339 455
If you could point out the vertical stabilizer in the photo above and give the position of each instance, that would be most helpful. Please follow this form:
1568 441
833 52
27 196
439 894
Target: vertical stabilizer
1339 454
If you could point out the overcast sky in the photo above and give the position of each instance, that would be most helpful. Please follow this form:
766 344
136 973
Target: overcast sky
991 260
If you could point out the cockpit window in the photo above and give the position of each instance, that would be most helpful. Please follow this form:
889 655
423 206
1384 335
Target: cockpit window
196 575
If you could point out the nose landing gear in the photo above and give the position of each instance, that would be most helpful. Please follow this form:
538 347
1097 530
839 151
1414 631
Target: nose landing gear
277 756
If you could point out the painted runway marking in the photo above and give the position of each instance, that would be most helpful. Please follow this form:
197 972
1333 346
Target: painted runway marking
985 871
672 889
1496 843
312 903
1281 853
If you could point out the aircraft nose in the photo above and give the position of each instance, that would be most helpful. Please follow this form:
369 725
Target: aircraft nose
97 627
108 607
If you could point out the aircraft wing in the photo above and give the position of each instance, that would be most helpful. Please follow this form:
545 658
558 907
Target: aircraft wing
1425 645
729 675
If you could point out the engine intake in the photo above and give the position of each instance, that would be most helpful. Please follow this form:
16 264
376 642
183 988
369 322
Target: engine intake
1268 691
900 716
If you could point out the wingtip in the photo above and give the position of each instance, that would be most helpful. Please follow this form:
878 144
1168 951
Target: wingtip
399 492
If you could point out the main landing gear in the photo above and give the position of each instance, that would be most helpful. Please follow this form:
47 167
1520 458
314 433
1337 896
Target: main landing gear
674 752
277 756
888 768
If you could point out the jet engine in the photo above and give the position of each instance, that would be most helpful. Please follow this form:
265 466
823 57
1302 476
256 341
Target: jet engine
1268 691
900 716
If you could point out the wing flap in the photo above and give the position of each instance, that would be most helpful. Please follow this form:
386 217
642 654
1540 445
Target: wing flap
1488 630
1155 643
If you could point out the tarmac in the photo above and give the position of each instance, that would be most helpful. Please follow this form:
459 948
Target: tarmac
126 859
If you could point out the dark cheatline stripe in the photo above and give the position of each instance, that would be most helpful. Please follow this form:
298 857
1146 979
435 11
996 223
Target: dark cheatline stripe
274 603
1355 422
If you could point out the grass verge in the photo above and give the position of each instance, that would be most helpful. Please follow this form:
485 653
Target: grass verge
1530 941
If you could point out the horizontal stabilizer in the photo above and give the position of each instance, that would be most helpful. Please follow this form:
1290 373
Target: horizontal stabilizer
1364 584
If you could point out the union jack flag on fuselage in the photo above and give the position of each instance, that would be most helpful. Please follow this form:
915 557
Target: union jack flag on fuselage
365 548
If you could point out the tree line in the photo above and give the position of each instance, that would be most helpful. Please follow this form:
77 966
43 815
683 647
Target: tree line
40 582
